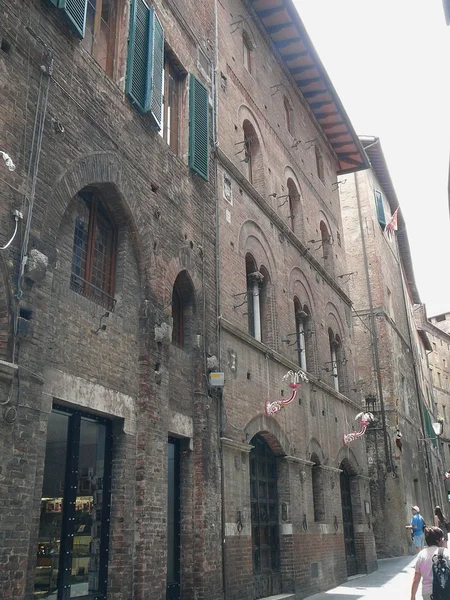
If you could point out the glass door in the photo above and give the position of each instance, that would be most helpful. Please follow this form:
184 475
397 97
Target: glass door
72 559
173 521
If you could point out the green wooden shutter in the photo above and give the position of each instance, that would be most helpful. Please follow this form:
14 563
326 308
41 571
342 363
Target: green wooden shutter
146 61
156 68
75 11
380 209
138 55
199 128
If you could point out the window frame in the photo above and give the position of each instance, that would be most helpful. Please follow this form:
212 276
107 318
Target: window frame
84 285
319 164
111 43
170 71
247 53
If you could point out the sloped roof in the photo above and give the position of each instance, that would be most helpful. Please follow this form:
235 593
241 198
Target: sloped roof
378 163
283 25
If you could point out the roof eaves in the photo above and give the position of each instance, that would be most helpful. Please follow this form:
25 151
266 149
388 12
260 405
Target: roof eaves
335 123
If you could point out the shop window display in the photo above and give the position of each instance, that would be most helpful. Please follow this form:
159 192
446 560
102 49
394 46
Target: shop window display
73 533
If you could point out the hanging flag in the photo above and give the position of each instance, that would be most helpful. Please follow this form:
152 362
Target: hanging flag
392 225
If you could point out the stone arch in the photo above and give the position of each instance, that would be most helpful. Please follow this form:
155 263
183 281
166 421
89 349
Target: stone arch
253 240
271 431
314 447
299 286
183 262
104 170
347 461
334 320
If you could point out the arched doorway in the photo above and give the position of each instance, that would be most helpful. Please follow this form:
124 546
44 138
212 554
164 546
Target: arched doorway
347 518
265 530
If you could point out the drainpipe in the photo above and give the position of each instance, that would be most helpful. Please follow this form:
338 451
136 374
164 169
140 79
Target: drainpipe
215 113
373 328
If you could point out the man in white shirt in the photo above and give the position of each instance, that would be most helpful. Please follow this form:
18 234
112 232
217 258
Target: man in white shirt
434 538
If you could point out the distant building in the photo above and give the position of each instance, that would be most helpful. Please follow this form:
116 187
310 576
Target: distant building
391 360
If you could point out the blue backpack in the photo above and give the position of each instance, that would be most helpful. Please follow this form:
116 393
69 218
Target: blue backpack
441 576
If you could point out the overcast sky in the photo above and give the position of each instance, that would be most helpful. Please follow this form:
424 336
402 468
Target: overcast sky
389 61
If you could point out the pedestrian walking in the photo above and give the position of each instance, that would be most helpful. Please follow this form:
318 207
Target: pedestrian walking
439 521
434 538
417 527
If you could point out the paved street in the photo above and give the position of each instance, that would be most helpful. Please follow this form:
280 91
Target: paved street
392 581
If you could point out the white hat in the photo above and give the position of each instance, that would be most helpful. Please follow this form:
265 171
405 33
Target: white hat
416 508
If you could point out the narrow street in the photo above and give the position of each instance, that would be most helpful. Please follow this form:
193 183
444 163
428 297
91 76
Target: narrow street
391 581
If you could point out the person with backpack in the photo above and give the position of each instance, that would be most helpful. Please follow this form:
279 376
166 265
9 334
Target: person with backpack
417 527
433 568
439 521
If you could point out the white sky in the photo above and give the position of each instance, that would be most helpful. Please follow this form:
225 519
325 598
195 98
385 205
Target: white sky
389 61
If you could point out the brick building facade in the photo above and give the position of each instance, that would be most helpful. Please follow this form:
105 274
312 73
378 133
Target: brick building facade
438 331
143 262
404 464
119 232
284 304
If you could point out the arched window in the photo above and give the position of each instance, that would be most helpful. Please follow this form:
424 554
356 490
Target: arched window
251 147
333 356
294 202
319 164
287 114
304 334
327 248
254 281
94 249
182 310
318 489
247 51
300 316
266 308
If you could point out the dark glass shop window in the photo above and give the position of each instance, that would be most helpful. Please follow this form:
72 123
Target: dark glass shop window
173 520
74 523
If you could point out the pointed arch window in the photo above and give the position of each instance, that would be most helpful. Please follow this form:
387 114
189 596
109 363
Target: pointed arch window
247 52
319 164
334 345
304 335
327 248
294 201
254 282
287 114
94 250
182 310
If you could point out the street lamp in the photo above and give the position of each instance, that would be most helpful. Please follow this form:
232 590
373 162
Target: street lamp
438 427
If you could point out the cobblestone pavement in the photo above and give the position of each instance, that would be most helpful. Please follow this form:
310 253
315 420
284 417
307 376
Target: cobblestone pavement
392 581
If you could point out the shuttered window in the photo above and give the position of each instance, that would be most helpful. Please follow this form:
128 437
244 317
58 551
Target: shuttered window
199 128
146 61
380 209
75 11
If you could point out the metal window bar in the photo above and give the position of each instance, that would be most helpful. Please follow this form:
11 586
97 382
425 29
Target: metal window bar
92 292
